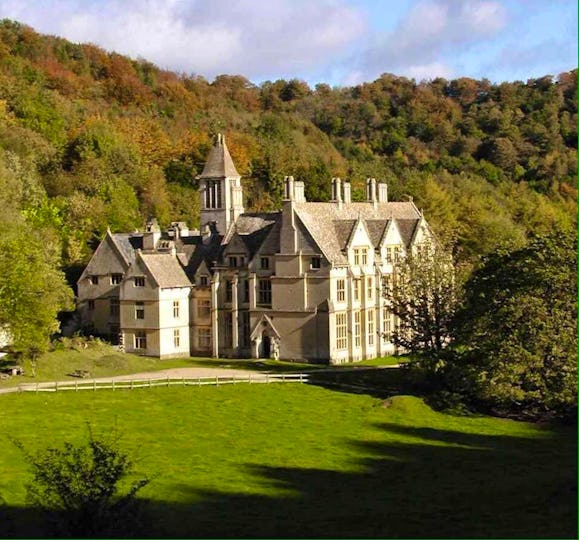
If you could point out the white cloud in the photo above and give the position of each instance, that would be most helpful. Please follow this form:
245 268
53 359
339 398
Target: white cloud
255 38
431 33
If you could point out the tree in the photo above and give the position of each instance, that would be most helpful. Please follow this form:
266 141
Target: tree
78 486
423 296
519 327
32 291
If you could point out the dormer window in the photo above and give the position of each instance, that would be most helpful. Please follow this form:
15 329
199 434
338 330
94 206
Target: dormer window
264 263
356 256
315 263
364 256
139 281
94 280
233 261
116 279
203 281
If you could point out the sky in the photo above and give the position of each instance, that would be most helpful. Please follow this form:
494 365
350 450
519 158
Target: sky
339 42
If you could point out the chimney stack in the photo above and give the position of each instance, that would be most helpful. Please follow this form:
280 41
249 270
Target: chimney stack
337 191
288 183
382 192
347 192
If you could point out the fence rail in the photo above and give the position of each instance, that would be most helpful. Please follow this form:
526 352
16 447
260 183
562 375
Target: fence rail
130 384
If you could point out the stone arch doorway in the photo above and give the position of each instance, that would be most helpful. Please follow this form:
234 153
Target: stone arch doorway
265 339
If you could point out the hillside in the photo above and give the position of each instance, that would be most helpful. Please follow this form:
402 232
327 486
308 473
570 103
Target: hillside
90 140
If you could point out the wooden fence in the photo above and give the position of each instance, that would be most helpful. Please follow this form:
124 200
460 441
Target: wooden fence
102 384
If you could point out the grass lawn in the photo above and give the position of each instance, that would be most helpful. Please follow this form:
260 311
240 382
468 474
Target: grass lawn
102 360
303 461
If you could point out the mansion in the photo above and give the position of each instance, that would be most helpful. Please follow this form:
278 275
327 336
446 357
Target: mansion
303 283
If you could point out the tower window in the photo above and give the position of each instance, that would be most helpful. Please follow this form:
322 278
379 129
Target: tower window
213 194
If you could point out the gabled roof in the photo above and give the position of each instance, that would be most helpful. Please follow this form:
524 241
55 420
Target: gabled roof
331 225
127 243
257 230
407 228
219 163
165 270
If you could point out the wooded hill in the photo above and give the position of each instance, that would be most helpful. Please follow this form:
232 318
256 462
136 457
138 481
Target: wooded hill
91 139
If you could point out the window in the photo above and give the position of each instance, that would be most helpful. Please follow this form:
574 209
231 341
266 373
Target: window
139 281
357 329
315 263
176 338
140 340
397 254
176 309
203 281
387 282
364 256
341 331
245 289
227 329
264 292
264 263
390 254
203 308
228 290
204 338
213 194
140 310
241 261
357 256
245 328
94 280
370 288
370 327
387 326
341 290
116 279
357 289
91 305
233 261
114 307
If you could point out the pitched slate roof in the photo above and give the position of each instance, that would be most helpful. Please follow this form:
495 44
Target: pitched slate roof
166 270
127 243
219 162
328 224
257 230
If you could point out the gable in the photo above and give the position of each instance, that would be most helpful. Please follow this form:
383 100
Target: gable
105 260
359 236
392 236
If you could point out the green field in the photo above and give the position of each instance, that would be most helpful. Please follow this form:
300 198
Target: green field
303 461
102 360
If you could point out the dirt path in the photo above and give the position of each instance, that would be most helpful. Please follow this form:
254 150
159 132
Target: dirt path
160 374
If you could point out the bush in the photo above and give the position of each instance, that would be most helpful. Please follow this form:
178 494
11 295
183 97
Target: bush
78 488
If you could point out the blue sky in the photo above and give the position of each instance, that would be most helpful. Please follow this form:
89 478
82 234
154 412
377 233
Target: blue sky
341 42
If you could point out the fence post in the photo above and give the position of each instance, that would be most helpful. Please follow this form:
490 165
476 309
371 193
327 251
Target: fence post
149 383
56 386
183 381
37 388
113 385
250 378
76 386
283 377
301 377
198 381
216 380
94 385
267 378
167 380
131 384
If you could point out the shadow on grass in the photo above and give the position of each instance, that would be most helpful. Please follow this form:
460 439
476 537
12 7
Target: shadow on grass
423 483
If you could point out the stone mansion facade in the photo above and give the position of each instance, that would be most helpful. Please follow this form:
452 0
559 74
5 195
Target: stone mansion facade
302 283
